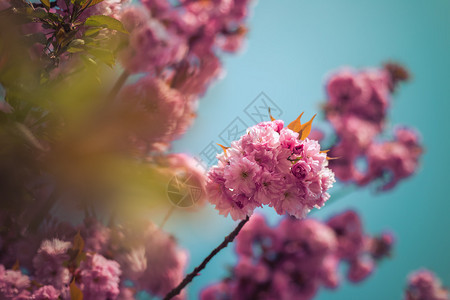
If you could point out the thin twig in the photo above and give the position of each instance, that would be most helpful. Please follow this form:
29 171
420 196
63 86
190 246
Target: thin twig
200 267
118 85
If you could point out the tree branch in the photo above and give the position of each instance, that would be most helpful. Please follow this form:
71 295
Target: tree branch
200 267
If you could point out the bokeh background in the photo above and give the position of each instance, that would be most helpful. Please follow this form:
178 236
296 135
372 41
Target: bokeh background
292 46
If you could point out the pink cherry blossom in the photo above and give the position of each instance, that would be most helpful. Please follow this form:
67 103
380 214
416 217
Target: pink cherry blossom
47 292
99 278
49 263
425 285
292 260
13 284
271 166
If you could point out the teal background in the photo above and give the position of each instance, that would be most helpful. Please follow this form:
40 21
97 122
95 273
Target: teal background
292 45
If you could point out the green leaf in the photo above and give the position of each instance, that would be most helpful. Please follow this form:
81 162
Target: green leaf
104 55
46 3
105 22
55 17
76 43
92 31
74 50
88 62
78 2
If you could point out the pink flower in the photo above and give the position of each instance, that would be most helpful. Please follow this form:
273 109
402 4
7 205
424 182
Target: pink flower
268 188
47 292
289 201
425 285
346 89
357 108
348 229
355 131
133 262
149 257
344 167
154 111
13 284
99 278
360 269
257 237
241 176
307 239
288 138
292 260
194 78
399 159
151 45
95 235
49 263
218 291
301 169
110 8
126 294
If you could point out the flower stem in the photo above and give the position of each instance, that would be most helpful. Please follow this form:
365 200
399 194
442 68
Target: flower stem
228 239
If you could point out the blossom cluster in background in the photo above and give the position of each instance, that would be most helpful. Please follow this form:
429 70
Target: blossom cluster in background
176 48
101 262
296 258
425 285
357 108
270 165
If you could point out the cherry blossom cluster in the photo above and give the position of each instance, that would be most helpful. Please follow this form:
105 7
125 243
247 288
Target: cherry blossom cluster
176 47
424 285
183 38
101 262
270 165
357 107
298 257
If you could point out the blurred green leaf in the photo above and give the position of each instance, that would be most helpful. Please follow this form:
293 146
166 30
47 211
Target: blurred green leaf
105 22
104 55
87 61
76 43
55 17
74 50
92 31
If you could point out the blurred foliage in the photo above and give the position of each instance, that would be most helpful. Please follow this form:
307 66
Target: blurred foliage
62 137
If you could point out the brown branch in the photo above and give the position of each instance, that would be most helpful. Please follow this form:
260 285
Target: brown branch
200 267
118 85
